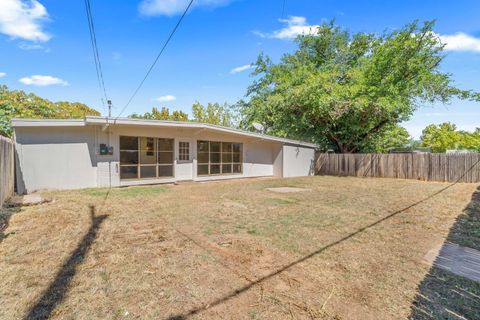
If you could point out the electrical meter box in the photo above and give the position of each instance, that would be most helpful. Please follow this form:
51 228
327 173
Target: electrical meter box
105 150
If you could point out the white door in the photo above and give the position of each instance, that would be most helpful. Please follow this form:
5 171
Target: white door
184 169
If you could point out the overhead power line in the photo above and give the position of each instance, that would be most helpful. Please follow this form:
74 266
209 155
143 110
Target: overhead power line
96 56
283 8
156 59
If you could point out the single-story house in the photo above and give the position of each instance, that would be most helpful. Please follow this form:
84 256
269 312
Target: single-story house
110 152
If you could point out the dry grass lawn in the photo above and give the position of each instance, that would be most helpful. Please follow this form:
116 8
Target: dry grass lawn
232 250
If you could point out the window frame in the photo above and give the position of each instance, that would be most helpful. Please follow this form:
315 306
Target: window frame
226 148
184 152
139 165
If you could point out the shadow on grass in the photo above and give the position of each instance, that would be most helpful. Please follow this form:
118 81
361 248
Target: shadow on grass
6 213
258 281
55 293
442 294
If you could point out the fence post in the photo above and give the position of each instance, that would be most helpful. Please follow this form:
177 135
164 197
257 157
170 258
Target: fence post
7 167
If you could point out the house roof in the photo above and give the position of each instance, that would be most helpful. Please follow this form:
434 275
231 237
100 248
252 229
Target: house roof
92 120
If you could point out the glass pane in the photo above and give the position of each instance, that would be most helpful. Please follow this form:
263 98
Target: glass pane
226 157
165 144
128 143
184 151
214 157
237 147
214 169
148 172
203 158
202 169
215 146
226 147
165 171
128 157
202 146
236 157
147 145
165 157
129 172
147 157
227 168
237 168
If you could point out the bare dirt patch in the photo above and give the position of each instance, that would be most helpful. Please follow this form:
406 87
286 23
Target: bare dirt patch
287 189
349 248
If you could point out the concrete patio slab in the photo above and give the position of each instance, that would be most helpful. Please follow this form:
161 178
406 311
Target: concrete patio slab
462 261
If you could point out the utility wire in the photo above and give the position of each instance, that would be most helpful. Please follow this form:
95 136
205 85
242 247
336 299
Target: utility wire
156 59
96 56
283 8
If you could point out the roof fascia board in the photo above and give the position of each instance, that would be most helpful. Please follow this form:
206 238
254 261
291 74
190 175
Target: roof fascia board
48 122
91 120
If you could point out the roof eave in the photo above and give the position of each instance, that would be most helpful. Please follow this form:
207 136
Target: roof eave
196 125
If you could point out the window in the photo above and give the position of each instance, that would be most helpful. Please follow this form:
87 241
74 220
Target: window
145 157
218 158
184 151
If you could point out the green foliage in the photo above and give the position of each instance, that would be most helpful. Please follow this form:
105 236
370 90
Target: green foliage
214 113
346 92
18 104
446 137
394 138
163 114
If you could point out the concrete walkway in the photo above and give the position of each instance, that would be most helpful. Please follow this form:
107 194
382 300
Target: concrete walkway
459 260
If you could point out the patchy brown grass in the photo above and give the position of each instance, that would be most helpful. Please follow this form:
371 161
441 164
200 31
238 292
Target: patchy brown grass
227 250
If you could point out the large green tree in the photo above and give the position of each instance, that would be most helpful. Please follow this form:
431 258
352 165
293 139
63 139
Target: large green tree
18 104
346 91
446 137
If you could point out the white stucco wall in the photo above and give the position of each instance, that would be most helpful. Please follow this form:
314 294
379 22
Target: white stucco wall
258 155
55 158
298 161
278 161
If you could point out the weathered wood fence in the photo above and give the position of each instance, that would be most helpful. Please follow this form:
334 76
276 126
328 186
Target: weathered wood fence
420 166
7 175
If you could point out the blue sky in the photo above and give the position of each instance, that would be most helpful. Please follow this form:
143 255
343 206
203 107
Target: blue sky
45 47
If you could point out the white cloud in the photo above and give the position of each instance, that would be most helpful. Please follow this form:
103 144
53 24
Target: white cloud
166 98
175 7
23 19
460 42
241 69
42 81
2 74
295 26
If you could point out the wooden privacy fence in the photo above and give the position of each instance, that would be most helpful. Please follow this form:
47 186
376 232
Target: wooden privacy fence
420 166
7 175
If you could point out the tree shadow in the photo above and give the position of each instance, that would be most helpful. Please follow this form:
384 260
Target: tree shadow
6 213
274 273
443 294
55 293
